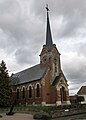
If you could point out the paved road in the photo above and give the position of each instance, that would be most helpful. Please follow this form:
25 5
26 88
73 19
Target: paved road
17 116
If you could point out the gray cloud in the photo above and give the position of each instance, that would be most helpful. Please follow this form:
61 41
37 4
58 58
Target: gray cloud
74 67
73 13
23 28
82 49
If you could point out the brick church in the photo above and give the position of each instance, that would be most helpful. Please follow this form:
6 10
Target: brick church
44 83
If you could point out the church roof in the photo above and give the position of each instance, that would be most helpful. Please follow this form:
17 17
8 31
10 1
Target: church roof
82 91
49 41
31 74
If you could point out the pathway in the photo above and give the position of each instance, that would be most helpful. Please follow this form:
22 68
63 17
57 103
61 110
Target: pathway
18 116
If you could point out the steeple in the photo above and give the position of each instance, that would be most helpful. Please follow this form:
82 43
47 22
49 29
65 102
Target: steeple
49 41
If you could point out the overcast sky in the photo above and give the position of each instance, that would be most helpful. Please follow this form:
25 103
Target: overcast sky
23 33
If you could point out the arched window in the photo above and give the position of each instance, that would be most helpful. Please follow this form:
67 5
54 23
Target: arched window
17 93
30 92
37 90
23 93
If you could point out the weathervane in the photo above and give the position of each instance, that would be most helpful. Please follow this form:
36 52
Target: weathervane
47 8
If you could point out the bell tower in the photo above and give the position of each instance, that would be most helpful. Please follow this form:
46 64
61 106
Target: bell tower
50 56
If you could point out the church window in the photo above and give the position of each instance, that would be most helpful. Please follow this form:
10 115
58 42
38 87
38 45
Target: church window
23 93
55 69
45 59
37 90
55 65
17 93
30 92
55 59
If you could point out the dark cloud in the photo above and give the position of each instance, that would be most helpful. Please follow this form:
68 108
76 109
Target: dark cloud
73 13
25 56
23 30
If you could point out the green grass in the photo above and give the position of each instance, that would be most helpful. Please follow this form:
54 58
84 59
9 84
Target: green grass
4 110
32 109
39 108
26 109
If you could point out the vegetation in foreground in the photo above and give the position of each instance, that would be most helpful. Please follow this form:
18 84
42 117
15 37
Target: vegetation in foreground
5 91
39 108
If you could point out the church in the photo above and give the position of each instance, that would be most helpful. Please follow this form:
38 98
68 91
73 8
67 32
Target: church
45 83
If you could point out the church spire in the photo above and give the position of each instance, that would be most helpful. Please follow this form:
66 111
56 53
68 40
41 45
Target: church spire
49 41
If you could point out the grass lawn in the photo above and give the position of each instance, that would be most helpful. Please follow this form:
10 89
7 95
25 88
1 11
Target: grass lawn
26 109
33 109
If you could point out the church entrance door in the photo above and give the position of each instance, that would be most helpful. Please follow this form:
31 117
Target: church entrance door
63 94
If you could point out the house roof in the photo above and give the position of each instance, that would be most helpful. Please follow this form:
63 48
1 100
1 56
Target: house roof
31 74
82 91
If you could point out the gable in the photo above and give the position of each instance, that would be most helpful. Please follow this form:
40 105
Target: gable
58 78
82 91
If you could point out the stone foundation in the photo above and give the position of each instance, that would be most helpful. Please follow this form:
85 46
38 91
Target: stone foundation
58 103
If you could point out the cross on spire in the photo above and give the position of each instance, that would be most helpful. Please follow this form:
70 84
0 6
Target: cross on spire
47 8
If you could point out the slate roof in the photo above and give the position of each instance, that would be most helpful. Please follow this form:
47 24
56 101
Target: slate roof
28 75
82 91
49 41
